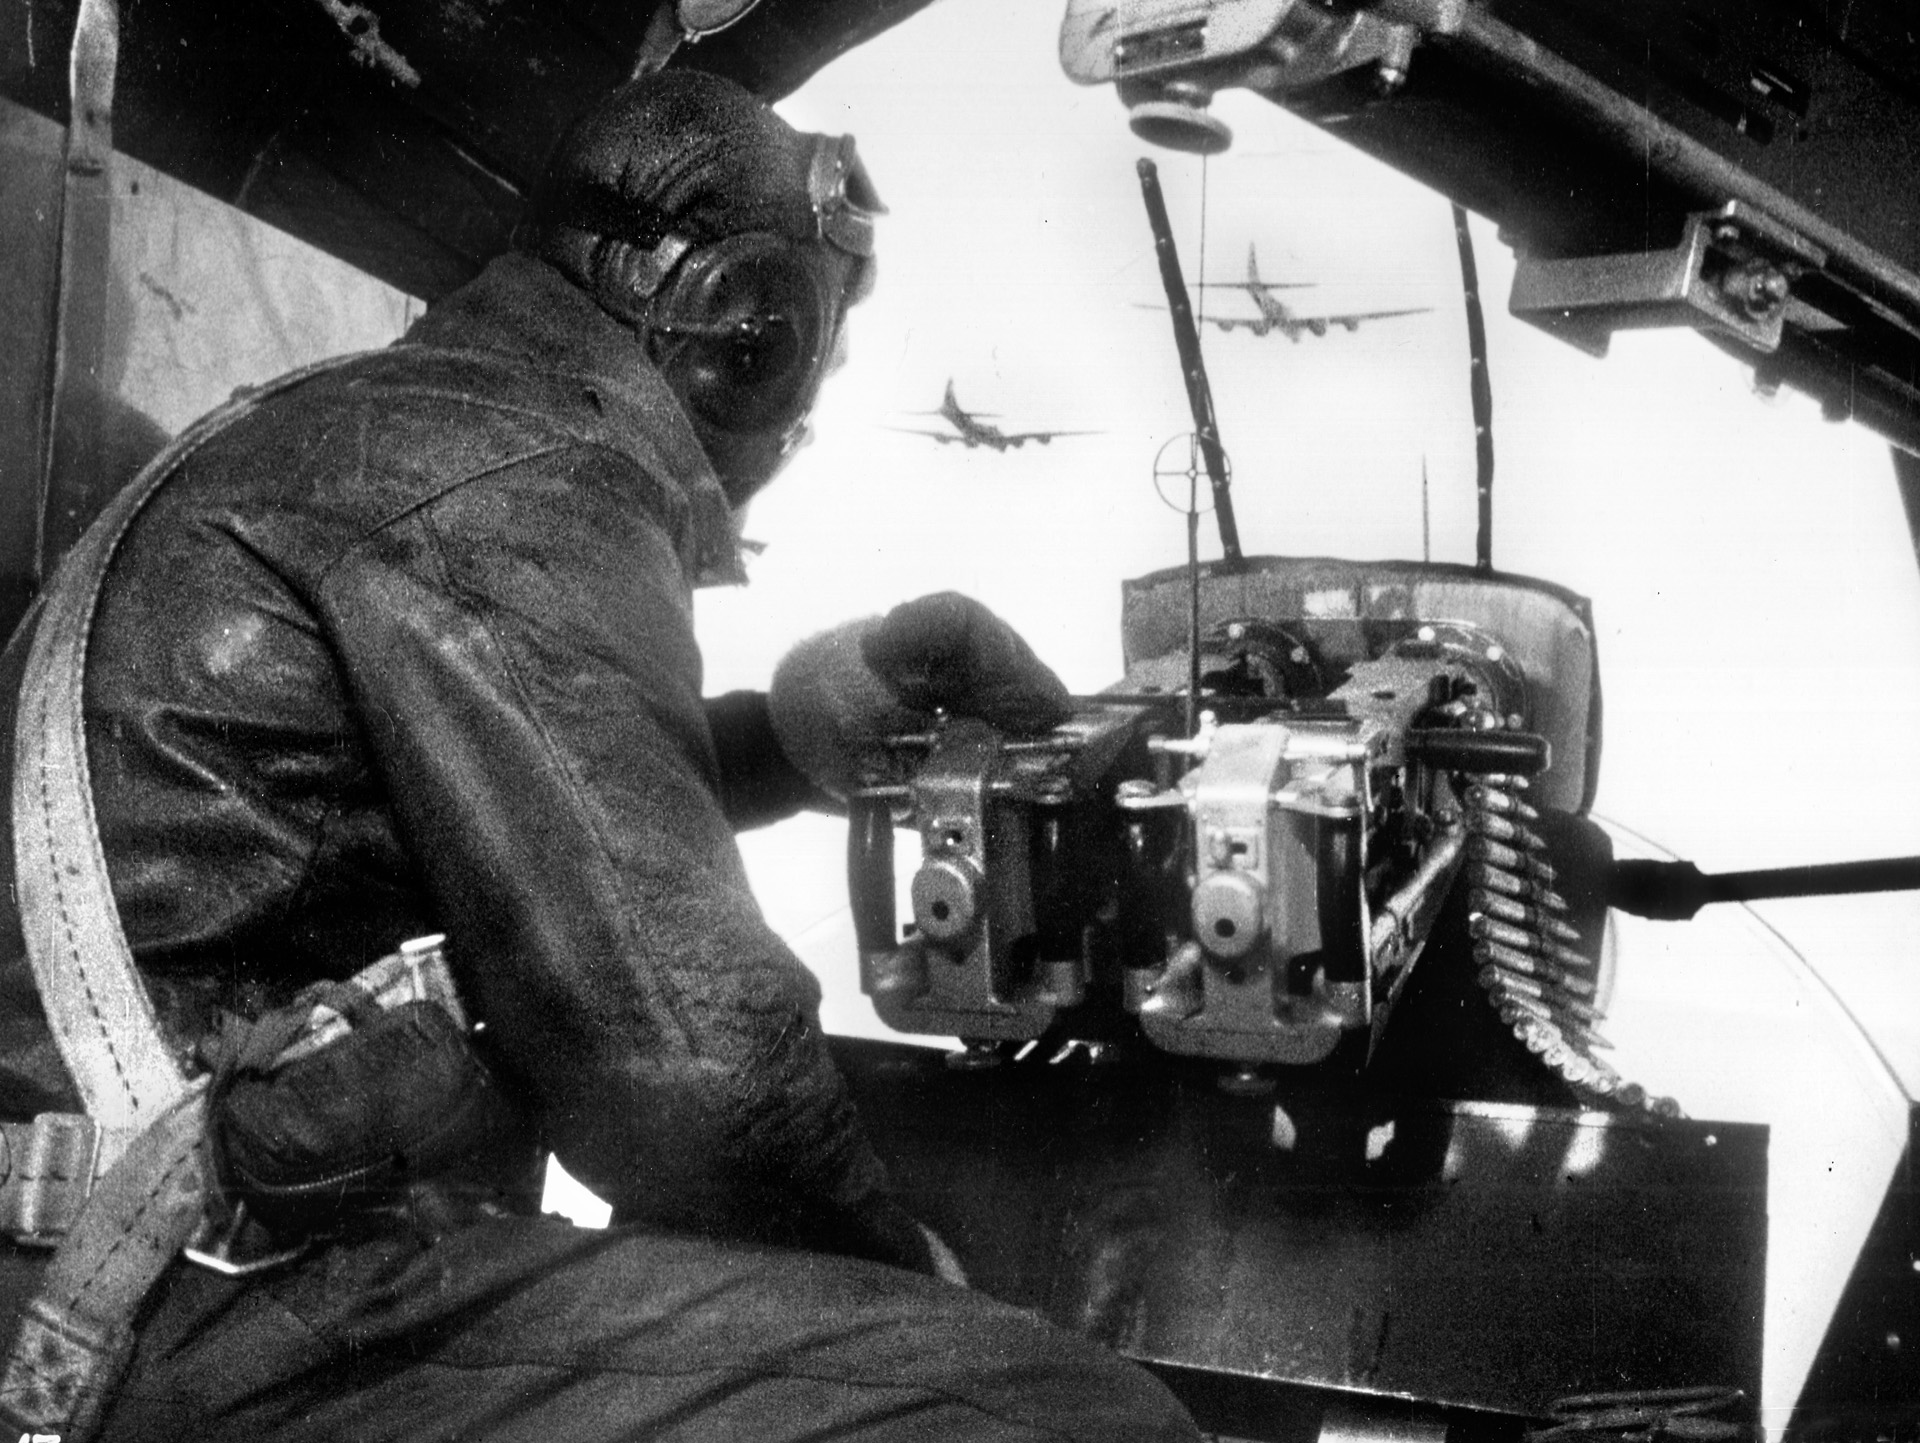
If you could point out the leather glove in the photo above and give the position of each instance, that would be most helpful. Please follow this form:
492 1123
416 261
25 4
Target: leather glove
835 695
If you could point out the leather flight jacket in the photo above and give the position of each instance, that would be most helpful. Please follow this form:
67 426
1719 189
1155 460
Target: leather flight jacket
408 649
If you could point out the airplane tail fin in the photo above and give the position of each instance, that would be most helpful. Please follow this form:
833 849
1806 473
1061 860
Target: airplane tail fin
949 405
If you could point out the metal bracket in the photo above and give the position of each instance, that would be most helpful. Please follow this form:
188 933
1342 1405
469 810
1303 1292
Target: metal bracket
1732 272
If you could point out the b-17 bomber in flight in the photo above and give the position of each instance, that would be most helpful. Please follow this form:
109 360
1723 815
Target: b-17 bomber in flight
1276 315
970 430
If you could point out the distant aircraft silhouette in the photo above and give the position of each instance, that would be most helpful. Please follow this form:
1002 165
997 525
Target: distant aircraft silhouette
971 431
1276 315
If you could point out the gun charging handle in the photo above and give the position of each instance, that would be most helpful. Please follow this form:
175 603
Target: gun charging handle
876 926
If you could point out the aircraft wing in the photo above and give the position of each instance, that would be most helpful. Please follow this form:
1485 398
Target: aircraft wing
1264 285
1353 318
942 437
1016 437
1225 323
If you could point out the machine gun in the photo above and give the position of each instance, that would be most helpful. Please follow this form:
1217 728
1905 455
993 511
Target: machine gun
1375 737
1254 883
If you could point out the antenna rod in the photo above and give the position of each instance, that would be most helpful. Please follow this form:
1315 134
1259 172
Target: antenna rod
1193 600
1426 516
1192 369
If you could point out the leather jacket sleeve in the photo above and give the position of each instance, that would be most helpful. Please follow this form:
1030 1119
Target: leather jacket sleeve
759 785
521 650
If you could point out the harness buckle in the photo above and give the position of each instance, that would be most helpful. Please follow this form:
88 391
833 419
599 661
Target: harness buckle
46 1175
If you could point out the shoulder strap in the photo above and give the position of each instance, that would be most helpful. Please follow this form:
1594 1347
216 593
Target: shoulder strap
76 1334
101 1017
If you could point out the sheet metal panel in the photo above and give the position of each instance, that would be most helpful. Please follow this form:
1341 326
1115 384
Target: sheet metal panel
1475 1255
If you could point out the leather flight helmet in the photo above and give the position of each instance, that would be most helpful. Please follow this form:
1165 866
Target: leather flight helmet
730 242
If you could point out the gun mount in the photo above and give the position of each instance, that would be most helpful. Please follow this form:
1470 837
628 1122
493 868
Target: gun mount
1376 737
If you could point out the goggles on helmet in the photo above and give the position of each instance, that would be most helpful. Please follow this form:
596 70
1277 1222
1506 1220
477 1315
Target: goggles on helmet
842 194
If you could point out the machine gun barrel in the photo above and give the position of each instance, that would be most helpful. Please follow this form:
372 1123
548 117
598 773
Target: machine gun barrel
1674 891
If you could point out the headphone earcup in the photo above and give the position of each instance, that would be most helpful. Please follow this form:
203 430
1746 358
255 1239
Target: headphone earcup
742 331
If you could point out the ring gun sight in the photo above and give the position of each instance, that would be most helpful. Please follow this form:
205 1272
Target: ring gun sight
1257 892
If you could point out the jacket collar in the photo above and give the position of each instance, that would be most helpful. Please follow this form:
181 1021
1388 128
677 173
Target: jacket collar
527 309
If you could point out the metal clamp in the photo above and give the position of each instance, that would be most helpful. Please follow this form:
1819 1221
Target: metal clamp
1732 271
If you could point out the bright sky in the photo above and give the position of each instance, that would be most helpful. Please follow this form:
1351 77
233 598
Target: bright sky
1754 587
